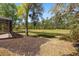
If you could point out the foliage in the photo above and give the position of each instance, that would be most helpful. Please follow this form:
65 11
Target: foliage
9 10
74 34
23 10
36 11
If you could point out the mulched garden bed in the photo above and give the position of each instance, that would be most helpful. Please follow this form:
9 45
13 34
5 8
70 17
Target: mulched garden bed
23 45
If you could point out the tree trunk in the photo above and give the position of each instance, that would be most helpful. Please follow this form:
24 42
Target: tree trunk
26 20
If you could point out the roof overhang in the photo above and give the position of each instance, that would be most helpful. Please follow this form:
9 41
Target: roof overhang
5 19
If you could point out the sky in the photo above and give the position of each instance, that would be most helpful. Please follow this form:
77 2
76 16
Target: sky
47 7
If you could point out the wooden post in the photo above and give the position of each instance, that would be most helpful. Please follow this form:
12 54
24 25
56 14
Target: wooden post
10 26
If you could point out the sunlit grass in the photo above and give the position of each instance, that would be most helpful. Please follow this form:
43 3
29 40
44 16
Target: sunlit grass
60 31
47 32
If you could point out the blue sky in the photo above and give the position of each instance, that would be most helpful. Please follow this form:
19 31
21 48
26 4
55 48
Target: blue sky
47 7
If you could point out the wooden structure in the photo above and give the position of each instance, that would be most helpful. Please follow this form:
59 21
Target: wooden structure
5 25
6 29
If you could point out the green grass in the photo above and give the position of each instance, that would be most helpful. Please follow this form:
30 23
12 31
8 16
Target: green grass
59 31
47 33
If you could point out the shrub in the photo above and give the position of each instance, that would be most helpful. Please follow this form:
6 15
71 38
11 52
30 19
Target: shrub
74 33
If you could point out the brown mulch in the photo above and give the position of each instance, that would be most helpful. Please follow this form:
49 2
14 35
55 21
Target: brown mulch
23 45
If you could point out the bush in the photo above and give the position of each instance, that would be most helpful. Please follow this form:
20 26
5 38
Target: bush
74 34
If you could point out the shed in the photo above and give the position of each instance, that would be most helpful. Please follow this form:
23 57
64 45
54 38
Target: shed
5 25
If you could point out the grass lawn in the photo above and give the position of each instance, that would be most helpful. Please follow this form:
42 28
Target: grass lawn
47 33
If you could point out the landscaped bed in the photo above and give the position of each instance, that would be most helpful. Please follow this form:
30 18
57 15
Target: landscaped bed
40 45
23 46
37 46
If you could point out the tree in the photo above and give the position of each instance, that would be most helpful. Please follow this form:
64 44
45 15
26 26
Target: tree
36 12
9 10
24 10
65 12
